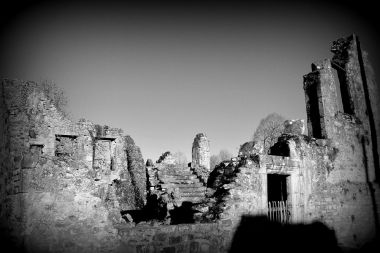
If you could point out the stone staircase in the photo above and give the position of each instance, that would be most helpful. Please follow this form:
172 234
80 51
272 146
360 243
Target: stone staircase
182 182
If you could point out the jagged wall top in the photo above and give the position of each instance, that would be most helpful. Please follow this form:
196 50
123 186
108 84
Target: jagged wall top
36 128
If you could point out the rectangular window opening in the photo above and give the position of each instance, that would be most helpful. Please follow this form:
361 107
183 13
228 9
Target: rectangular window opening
338 92
345 96
65 145
103 156
105 138
36 148
66 136
315 116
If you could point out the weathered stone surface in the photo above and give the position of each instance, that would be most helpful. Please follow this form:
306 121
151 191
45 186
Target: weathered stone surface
201 156
63 184
176 238
136 168
201 151
330 173
237 190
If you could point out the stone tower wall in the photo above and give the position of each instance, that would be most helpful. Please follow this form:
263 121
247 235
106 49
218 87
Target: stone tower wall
330 174
201 156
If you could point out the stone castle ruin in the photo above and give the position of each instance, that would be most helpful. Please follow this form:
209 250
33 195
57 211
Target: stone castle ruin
80 187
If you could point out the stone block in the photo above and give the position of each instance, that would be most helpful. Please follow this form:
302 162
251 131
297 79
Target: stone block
29 161
175 239
204 247
161 237
227 223
194 247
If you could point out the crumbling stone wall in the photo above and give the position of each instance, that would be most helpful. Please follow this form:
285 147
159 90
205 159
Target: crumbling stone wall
62 207
331 172
60 200
136 168
201 156
236 189
315 192
64 183
347 153
328 189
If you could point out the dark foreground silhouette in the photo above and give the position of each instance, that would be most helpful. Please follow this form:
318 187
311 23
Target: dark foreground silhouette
182 214
258 234
154 211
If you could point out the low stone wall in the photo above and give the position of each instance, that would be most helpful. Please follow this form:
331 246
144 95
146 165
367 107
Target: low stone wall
202 237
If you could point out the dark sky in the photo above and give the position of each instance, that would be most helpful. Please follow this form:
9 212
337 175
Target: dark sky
166 72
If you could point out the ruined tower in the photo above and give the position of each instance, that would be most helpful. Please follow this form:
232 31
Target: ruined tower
343 88
201 157
201 152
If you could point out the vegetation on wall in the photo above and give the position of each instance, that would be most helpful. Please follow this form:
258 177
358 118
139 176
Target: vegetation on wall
269 129
223 155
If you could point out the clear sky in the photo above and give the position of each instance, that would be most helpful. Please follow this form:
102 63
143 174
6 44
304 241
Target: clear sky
164 73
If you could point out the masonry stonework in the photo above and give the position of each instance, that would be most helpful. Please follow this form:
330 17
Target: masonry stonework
201 156
63 183
82 187
330 175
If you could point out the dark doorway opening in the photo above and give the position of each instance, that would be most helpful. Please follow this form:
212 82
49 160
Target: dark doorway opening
277 187
278 206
